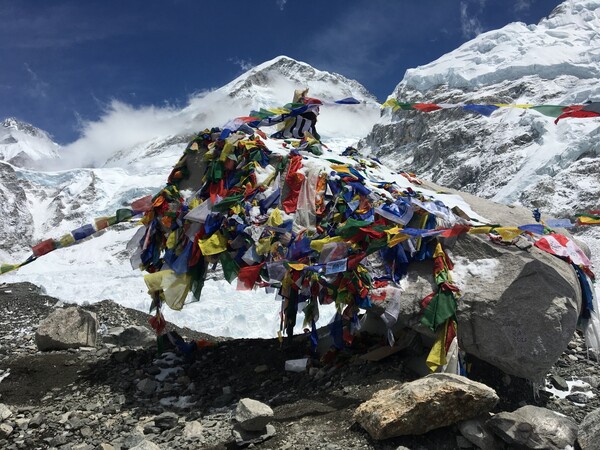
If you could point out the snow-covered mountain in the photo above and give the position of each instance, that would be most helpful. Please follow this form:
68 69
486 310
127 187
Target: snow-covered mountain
23 145
514 156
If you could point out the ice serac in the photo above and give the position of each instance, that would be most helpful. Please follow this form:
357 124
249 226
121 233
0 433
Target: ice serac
514 156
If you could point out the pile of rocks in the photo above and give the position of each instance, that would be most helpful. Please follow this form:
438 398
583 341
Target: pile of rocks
118 392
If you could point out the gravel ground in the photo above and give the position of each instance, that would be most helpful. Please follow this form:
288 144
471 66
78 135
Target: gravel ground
121 396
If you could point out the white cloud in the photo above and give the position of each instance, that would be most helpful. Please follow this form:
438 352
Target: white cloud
244 65
281 4
469 22
522 5
122 127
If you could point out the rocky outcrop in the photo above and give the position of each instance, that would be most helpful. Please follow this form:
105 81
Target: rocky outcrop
514 155
423 405
66 328
534 427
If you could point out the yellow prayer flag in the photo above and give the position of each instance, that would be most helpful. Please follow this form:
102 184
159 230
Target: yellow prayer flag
263 246
480 230
437 355
66 240
508 233
173 287
275 218
297 266
213 245
172 240
588 220
228 149
318 244
510 105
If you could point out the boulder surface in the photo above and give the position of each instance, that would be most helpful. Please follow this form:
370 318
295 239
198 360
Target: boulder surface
414 408
65 328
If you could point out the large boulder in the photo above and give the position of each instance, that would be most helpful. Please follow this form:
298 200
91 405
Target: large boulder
534 427
435 401
518 307
65 328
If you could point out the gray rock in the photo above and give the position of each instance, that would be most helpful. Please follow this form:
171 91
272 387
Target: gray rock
559 383
475 431
37 420
578 397
244 437
423 405
71 327
147 386
133 336
253 415
5 412
146 445
192 430
5 430
166 420
588 436
592 380
104 446
521 316
534 427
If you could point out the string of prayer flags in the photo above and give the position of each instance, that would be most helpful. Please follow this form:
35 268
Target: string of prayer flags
48 245
587 110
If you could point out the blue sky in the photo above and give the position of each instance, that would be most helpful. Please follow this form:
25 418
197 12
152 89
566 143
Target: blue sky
64 61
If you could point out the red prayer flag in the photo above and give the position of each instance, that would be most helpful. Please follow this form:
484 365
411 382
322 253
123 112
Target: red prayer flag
248 276
142 204
293 181
426 107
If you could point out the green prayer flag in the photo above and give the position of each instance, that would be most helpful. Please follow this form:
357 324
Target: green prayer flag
549 110
230 267
350 227
441 307
123 214
228 202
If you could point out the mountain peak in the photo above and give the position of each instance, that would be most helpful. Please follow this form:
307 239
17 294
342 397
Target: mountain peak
282 75
21 144
12 123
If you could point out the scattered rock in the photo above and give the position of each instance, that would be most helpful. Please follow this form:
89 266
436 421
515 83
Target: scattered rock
475 431
5 412
244 437
192 430
434 401
146 445
147 386
534 427
578 397
588 436
166 420
66 328
559 383
253 415
5 430
132 336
